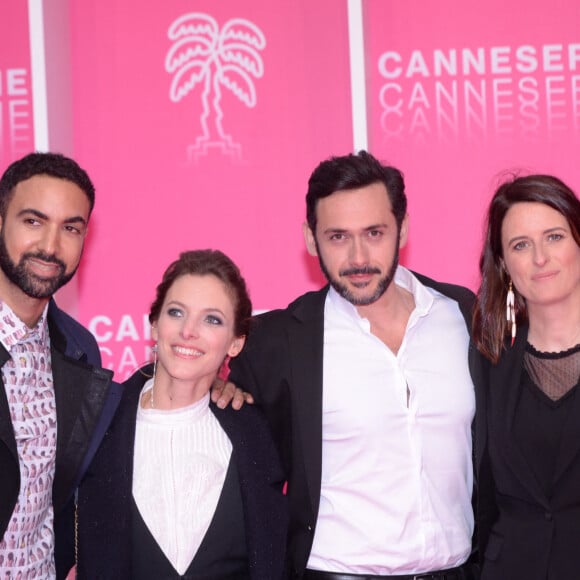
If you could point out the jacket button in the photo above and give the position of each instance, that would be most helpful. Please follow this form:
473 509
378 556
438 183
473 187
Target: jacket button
549 517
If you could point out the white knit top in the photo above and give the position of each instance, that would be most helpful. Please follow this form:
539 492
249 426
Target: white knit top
181 460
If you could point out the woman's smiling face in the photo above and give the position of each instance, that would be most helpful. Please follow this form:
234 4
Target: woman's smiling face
195 332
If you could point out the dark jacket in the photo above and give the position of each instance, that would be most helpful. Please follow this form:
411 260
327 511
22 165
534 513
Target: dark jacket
82 391
105 495
522 533
281 365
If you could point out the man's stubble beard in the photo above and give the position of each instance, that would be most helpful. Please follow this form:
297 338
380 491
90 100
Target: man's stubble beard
382 285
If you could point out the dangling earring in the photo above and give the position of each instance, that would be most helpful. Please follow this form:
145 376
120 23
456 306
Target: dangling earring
154 350
511 310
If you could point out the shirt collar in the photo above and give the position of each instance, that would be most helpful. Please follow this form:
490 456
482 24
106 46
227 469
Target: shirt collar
13 330
193 413
421 295
403 278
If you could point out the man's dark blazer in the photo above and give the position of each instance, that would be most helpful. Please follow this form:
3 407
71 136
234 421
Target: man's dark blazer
534 531
82 390
281 365
105 495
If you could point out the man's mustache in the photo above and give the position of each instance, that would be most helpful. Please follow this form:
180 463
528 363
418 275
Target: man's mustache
356 271
49 258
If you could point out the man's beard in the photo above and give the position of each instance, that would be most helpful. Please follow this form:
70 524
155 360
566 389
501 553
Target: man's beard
343 290
31 284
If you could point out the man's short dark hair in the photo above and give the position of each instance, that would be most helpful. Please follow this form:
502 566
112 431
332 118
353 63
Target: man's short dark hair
53 164
354 171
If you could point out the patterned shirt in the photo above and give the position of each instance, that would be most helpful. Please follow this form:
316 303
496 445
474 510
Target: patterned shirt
26 551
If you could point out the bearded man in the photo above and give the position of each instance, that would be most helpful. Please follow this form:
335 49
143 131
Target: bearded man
55 401
367 389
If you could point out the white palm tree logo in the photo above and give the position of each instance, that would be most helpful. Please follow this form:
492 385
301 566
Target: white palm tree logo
202 54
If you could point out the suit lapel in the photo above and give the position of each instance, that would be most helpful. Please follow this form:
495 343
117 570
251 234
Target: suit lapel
80 392
105 495
306 337
570 443
6 429
505 386
479 369
117 489
9 463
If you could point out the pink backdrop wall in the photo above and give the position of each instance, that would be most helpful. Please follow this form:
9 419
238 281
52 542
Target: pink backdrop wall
456 96
16 119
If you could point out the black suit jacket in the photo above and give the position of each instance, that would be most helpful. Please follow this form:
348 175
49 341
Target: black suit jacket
105 495
281 365
522 532
81 391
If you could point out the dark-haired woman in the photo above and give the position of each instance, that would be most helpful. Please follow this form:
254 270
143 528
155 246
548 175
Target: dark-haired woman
180 488
526 369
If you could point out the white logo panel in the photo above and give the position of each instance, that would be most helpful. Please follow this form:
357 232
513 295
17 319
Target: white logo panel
209 59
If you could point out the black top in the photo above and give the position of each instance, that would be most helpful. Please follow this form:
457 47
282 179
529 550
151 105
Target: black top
106 532
222 553
529 501
538 427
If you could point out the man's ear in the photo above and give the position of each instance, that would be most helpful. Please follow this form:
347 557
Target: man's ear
404 231
309 239
236 346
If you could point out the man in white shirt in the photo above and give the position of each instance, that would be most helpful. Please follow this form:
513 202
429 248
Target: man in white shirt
367 389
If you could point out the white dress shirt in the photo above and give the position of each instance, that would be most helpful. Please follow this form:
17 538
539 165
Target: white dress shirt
396 451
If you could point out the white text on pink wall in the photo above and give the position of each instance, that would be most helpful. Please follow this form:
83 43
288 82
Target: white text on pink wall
480 94
16 127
